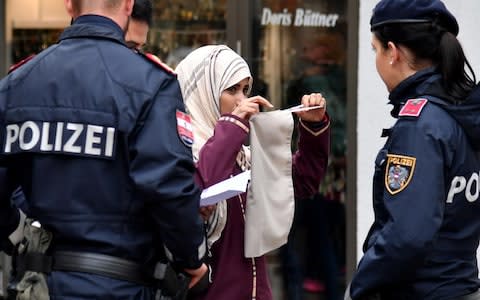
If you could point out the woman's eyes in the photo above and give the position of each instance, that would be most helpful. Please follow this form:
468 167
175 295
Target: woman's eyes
232 89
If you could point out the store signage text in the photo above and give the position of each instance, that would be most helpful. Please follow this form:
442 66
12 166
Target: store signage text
301 18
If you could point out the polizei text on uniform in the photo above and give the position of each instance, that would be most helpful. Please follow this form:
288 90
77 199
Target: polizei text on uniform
63 137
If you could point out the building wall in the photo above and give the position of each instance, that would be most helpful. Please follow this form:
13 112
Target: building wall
373 111
32 14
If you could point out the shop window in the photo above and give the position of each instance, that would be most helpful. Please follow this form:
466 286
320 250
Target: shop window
26 42
182 25
299 47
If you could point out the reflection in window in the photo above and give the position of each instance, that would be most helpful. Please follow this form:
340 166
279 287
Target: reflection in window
26 42
182 25
301 49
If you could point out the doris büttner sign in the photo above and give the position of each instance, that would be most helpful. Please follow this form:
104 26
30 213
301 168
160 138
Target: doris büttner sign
300 18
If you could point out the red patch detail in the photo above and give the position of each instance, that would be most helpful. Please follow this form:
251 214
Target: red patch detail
156 60
184 128
20 63
413 108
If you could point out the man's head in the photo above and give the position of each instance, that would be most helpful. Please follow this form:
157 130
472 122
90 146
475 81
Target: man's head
117 10
140 21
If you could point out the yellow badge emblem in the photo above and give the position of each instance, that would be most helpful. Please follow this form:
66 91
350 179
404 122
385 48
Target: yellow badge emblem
398 172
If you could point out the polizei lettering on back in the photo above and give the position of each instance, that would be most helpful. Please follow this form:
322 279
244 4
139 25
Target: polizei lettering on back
470 187
60 137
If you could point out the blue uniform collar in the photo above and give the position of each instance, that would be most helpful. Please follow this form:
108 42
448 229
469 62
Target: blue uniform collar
411 87
427 82
94 26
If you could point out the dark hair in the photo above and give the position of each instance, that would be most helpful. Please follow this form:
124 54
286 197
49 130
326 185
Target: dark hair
142 11
433 42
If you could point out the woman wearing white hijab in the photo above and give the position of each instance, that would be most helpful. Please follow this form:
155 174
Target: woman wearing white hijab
215 83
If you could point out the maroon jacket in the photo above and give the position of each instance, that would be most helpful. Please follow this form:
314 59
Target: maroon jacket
233 274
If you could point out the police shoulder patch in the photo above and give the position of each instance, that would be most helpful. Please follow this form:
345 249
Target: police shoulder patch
20 63
185 128
398 172
413 107
157 61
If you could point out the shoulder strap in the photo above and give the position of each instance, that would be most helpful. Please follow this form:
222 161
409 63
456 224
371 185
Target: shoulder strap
158 62
20 63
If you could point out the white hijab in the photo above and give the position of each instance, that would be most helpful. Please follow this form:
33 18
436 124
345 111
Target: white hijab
203 75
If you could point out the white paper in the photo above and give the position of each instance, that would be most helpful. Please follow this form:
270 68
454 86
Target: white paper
302 108
226 189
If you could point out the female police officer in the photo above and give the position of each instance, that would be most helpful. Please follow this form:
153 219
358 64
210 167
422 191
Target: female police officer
423 242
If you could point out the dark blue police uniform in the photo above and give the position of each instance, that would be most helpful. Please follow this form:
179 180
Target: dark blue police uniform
426 187
89 131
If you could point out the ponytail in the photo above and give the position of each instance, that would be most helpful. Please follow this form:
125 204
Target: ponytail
431 41
451 63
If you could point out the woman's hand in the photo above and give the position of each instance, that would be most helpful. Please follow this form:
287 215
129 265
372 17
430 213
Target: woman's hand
250 106
196 274
314 115
206 211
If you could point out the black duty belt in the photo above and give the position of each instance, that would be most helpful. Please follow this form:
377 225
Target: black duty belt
85 262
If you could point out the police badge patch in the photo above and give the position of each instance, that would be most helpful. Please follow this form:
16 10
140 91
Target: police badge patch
398 172
413 108
184 128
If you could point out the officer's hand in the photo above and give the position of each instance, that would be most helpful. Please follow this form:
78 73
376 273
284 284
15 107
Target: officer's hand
314 115
250 106
206 211
196 274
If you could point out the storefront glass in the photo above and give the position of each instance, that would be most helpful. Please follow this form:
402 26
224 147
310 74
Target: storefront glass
299 47
182 25
26 42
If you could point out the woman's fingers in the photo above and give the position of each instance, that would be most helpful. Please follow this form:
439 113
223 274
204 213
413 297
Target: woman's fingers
314 115
206 211
313 99
250 106
260 100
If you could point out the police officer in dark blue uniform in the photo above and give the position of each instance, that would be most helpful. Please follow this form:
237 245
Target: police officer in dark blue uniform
426 189
97 138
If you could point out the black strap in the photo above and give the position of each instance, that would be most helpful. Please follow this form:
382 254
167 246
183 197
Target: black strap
85 262
100 264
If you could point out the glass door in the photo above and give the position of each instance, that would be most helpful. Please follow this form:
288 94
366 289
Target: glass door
299 47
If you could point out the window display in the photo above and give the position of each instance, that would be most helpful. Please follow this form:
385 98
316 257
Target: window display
26 42
181 26
301 49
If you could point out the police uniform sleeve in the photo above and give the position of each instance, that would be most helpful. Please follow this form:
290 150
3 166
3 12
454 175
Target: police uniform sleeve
163 169
414 198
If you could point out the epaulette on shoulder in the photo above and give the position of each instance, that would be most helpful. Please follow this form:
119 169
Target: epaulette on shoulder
413 107
20 63
158 62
